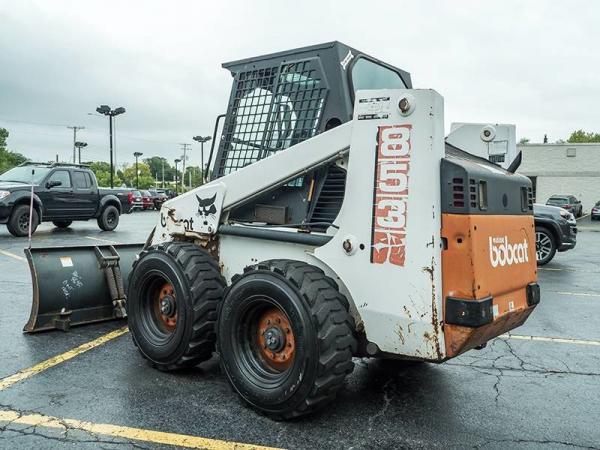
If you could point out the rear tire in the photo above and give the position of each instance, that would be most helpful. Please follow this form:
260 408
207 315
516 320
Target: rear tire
286 338
181 331
109 218
18 224
545 246
62 223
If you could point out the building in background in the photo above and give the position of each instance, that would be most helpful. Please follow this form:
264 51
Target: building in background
572 169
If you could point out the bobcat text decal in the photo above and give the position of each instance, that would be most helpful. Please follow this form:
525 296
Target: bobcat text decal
390 195
503 253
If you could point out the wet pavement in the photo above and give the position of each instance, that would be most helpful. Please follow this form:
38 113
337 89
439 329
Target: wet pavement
516 393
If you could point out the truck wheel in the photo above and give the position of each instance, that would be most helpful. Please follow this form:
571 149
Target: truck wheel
18 224
174 292
109 218
285 338
62 223
545 245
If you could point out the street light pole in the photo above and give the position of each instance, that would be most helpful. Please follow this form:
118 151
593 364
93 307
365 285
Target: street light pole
177 161
137 172
111 113
75 129
202 140
79 146
163 172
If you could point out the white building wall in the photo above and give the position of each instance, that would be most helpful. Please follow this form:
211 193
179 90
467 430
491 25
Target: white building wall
558 173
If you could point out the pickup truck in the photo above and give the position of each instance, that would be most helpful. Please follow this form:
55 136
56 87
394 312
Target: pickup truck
62 193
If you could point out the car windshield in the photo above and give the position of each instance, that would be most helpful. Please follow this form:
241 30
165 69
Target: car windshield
597 203
146 193
558 201
22 174
137 194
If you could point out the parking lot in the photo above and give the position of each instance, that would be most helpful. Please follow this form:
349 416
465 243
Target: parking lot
539 387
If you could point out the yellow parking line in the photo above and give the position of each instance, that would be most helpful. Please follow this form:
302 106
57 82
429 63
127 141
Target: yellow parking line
55 360
550 339
115 431
108 241
12 255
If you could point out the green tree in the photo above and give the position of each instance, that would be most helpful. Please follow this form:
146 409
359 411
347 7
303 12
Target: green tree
196 175
145 176
581 136
102 171
524 141
8 159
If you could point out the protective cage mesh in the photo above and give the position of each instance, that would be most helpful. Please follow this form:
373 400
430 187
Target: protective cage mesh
271 109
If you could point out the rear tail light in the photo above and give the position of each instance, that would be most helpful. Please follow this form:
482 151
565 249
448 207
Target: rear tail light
130 197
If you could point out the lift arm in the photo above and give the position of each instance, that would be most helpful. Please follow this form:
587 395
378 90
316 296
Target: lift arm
199 211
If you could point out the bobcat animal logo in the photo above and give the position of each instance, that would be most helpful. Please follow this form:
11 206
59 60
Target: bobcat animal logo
206 206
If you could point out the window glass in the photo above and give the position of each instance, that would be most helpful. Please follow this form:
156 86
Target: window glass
80 181
89 178
369 75
62 176
22 174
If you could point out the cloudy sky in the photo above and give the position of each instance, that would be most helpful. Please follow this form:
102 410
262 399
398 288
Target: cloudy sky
534 63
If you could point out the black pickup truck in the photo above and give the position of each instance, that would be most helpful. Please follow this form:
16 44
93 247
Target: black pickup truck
62 193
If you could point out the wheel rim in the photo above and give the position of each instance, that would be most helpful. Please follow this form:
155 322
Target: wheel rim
264 342
23 222
110 218
275 339
159 310
543 245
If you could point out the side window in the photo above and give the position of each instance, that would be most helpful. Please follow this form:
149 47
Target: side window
62 176
367 74
80 181
89 179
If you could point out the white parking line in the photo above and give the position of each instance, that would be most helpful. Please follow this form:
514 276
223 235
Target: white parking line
550 339
579 294
102 240
567 269
584 216
12 255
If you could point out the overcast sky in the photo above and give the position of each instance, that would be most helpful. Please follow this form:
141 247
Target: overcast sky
534 63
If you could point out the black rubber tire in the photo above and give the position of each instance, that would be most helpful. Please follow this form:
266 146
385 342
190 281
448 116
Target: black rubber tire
109 218
18 224
323 329
198 284
544 237
62 223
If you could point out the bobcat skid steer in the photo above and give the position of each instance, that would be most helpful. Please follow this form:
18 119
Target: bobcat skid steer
337 223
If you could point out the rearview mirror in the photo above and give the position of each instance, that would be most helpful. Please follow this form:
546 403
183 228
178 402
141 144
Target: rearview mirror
54 183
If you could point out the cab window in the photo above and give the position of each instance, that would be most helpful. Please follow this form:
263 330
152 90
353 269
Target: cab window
62 176
367 74
80 180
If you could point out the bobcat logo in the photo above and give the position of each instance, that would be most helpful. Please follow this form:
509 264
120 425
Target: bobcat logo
206 206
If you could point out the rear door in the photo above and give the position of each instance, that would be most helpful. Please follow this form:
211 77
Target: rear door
85 195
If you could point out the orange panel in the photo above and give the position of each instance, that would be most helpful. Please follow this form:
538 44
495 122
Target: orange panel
487 256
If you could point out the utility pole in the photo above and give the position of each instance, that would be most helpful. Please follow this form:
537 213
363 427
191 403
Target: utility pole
75 128
163 172
177 161
137 172
184 159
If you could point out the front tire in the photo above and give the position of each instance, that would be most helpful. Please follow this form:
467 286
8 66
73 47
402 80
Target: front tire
18 224
62 223
286 338
109 218
545 245
174 292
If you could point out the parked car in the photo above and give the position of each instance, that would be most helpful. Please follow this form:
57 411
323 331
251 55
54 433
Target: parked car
595 214
147 202
135 200
62 193
568 202
555 230
158 198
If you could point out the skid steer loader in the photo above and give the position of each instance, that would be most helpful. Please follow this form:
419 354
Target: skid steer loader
337 223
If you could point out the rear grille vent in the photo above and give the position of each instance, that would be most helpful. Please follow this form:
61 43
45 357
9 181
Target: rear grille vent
530 199
458 193
331 197
472 193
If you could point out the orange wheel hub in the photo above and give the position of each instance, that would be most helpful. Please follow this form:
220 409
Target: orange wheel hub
276 339
165 306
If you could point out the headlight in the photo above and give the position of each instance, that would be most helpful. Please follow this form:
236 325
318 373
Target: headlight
4 194
567 216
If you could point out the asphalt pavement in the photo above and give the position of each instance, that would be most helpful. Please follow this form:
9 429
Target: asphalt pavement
538 389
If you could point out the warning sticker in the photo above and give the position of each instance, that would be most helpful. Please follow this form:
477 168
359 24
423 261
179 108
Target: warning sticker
66 261
373 108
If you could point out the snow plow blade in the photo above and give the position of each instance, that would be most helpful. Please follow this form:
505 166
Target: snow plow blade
78 285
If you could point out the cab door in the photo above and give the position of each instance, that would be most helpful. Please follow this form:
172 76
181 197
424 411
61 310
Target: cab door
85 196
57 194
